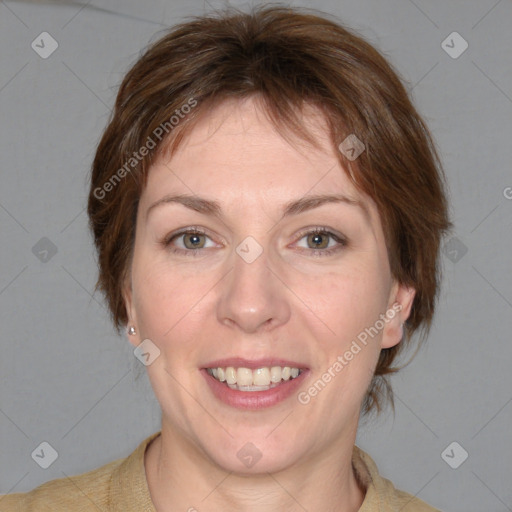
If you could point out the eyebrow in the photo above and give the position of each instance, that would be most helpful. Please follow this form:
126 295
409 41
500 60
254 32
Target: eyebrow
213 208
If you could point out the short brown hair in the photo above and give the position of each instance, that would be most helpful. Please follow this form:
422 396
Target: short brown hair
288 58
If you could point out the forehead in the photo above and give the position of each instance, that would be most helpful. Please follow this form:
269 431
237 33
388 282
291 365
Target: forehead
235 154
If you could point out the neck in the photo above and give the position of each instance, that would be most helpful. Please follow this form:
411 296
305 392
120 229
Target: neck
182 478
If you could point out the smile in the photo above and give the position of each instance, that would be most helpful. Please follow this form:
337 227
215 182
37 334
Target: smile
253 389
259 379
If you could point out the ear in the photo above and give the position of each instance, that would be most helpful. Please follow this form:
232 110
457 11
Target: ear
399 308
127 294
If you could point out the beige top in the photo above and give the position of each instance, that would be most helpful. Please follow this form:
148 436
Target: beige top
121 486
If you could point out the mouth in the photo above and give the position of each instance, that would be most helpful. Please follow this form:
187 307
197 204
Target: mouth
251 380
254 384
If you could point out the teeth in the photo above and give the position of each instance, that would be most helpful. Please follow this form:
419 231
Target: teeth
244 377
261 379
230 375
275 374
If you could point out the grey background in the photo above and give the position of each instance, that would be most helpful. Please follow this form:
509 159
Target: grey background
68 379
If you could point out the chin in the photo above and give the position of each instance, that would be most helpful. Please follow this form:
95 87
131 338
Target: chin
251 460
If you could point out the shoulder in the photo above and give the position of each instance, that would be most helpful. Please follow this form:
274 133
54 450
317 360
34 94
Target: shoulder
381 494
118 485
405 502
80 493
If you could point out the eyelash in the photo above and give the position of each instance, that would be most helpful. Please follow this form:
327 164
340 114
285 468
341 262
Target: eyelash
342 242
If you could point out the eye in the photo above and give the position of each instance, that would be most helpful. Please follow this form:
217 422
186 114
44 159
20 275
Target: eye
187 241
319 241
190 241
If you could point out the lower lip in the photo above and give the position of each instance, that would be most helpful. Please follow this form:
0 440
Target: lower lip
253 399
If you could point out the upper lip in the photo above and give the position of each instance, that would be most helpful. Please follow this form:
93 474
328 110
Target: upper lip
253 364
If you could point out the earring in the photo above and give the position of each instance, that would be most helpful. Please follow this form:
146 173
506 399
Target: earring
131 330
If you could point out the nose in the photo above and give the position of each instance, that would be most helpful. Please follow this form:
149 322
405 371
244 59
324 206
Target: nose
253 299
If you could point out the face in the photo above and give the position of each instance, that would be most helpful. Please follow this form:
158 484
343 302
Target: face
248 273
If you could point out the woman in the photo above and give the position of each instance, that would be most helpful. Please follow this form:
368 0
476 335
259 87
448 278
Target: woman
267 206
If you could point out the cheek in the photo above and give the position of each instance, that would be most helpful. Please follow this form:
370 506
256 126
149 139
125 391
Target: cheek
350 307
169 304
159 299
349 300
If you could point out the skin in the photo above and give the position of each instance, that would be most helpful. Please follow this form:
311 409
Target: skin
289 303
